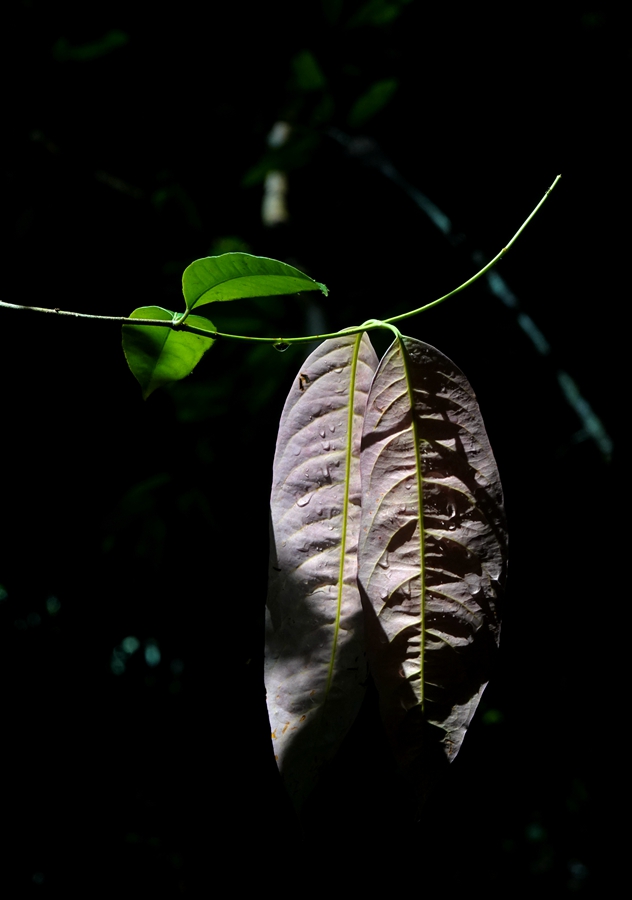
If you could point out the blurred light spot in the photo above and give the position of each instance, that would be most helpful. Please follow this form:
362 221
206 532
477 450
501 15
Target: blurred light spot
177 666
117 663
152 654
3 593
52 606
130 644
535 832
274 209
279 134
498 285
33 619
578 872
20 624
531 329
38 877
589 420
493 717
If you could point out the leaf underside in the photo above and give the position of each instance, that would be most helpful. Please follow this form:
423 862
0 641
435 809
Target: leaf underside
432 553
159 356
234 276
314 656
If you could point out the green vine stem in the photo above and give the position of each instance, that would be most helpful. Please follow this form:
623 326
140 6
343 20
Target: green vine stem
371 325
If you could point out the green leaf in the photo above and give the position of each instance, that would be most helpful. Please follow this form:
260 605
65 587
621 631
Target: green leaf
233 276
370 103
378 13
158 355
308 74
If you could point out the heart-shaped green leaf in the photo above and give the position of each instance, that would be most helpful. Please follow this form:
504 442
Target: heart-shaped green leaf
159 355
233 276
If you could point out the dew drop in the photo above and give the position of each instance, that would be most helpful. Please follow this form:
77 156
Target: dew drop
332 428
304 500
321 432
281 346
383 563
384 595
326 445
338 371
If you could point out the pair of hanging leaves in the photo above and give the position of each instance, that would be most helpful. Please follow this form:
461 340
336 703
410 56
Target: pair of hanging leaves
388 531
388 542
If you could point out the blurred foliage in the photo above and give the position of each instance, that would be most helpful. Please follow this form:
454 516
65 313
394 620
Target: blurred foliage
64 51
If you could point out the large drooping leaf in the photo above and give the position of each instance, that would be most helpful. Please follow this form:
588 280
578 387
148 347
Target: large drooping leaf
159 355
232 276
432 553
314 657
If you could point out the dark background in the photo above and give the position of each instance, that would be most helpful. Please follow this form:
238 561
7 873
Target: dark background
137 143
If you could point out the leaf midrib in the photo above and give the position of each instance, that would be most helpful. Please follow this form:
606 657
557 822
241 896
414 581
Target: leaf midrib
345 508
420 497
217 284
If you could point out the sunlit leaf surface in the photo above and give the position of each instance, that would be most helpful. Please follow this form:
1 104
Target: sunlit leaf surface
232 276
432 553
158 355
315 665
